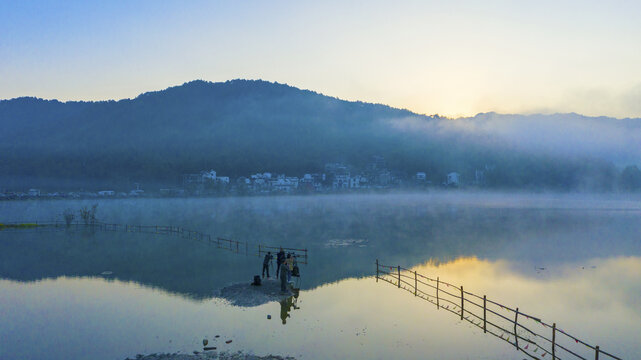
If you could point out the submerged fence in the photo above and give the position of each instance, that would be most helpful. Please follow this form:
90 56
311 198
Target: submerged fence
529 334
239 247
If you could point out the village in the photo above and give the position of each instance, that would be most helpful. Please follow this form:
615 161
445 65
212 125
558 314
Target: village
337 177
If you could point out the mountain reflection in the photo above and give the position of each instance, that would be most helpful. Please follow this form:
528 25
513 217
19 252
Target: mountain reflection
333 320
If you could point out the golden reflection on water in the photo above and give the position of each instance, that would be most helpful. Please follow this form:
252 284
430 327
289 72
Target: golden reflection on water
598 301
355 318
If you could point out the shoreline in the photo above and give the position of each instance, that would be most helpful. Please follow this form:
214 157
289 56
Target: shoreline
210 355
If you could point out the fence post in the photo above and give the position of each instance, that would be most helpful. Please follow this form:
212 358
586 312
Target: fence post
596 354
376 269
516 337
462 302
484 314
259 250
437 301
415 282
399 276
553 340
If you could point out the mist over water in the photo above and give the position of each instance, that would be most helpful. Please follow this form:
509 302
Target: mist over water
406 228
512 247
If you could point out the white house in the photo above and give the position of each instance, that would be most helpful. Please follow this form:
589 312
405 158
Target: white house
211 175
292 180
421 176
341 181
284 184
453 179
357 182
34 192
106 193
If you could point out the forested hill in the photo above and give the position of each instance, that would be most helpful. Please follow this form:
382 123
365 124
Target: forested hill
241 127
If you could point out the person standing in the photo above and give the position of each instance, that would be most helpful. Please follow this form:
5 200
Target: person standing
266 261
280 258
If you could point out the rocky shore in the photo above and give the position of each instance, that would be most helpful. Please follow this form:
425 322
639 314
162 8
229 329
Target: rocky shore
248 295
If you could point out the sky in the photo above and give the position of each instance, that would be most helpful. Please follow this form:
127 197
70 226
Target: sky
454 58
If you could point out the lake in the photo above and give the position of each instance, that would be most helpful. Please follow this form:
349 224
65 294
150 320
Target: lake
572 260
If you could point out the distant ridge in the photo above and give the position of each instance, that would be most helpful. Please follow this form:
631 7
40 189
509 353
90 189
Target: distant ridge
240 127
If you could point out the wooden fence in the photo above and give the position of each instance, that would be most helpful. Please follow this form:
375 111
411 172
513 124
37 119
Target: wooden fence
239 247
529 334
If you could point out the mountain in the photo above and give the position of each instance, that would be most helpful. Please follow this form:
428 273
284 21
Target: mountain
245 126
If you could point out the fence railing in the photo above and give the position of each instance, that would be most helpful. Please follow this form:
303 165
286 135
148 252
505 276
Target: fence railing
525 332
240 247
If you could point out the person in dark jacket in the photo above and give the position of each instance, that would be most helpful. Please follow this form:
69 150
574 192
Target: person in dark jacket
266 261
280 258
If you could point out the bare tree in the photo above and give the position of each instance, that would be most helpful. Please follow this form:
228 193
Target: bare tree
69 215
89 215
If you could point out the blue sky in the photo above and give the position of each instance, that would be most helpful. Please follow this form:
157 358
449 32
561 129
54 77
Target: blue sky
453 58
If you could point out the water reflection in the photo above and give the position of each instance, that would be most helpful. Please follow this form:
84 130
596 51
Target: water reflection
289 304
65 316
570 261
535 335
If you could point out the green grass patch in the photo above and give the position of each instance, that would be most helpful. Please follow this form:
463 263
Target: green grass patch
17 226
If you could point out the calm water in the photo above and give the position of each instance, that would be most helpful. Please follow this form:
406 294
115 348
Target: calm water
160 294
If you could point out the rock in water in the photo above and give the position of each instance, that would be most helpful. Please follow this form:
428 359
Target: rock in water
205 342
269 316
